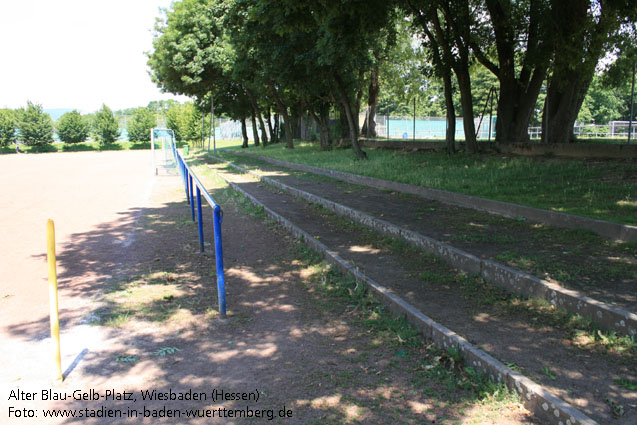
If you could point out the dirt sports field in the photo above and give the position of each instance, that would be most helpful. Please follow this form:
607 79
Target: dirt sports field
140 339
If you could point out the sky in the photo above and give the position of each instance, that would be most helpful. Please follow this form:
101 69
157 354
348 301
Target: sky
77 54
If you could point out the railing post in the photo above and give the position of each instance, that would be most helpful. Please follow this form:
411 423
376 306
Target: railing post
187 179
221 281
192 197
183 175
200 220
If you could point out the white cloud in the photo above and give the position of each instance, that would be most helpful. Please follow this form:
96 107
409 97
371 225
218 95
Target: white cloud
77 53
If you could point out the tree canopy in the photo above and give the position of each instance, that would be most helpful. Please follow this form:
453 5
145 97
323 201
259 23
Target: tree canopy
35 126
314 57
139 126
7 127
72 127
105 126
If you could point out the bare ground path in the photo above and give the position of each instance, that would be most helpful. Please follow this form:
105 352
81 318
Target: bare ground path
543 350
136 302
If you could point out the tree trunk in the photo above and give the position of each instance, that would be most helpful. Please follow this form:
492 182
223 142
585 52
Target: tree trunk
296 117
264 134
372 104
255 131
450 136
353 127
445 73
277 129
268 118
244 132
256 113
519 88
283 110
515 108
342 120
464 84
561 107
445 44
323 121
578 41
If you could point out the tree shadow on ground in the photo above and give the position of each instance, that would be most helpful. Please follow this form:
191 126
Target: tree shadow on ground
298 348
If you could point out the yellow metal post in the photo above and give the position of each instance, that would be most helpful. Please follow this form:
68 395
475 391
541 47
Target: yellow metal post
53 299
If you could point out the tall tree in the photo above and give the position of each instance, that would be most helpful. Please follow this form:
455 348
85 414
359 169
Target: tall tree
7 127
105 126
383 50
35 126
582 31
357 25
190 52
519 32
426 17
140 125
72 127
447 25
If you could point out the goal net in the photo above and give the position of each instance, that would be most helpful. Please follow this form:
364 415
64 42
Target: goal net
161 145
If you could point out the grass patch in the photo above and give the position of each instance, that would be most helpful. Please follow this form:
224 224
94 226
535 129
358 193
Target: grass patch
603 190
154 297
570 271
626 383
538 312
387 330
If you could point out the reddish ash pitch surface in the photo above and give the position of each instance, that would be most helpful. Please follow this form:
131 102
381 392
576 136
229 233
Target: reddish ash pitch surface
79 191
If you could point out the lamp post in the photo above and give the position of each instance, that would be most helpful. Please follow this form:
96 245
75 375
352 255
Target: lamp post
414 135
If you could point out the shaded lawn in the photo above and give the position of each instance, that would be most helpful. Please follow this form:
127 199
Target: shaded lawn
605 190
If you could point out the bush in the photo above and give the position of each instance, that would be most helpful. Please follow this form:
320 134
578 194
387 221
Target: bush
73 128
140 124
35 126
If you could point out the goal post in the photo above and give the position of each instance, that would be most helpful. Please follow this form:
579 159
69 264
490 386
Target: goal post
161 144
621 129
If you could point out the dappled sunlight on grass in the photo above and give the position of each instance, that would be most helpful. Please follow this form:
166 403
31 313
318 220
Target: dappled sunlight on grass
627 203
368 249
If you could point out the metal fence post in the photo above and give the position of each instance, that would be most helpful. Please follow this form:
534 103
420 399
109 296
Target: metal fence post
183 176
414 135
192 198
186 179
221 281
200 220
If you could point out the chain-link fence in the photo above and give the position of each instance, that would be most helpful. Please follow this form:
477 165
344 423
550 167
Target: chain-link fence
396 127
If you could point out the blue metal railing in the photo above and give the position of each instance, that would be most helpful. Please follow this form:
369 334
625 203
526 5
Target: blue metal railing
192 185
